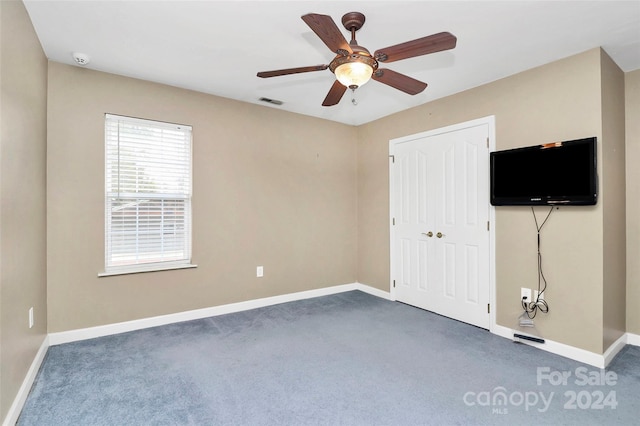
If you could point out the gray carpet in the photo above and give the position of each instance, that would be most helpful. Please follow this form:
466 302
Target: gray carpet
346 359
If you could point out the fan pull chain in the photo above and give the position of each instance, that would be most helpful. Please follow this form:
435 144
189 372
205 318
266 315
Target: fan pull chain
353 97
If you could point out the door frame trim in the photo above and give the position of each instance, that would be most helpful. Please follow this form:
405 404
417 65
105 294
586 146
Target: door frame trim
490 122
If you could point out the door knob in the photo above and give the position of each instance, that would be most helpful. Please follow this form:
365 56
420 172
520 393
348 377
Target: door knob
428 234
439 235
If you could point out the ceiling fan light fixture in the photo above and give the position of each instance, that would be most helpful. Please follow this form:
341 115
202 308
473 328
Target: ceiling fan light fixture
353 70
354 74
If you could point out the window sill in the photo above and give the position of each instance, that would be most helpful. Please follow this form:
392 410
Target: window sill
140 271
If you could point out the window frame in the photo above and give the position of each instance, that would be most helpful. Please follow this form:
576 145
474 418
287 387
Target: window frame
153 200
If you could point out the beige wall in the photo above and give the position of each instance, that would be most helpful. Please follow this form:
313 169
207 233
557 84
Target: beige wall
632 110
613 201
558 101
270 188
23 80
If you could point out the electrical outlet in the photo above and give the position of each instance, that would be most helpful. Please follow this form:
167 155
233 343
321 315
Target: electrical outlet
259 271
31 317
525 292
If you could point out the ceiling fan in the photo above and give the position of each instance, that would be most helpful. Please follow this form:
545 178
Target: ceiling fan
354 65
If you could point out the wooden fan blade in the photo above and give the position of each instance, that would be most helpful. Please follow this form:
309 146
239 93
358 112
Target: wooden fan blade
328 31
266 74
399 81
335 94
421 46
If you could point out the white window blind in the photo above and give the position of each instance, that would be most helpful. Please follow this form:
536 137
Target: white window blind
148 195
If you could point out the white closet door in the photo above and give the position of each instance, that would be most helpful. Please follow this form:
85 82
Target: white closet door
440 200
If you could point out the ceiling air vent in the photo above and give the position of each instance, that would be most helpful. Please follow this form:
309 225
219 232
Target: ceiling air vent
271 101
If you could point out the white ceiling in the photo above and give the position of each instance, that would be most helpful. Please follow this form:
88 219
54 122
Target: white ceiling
217 47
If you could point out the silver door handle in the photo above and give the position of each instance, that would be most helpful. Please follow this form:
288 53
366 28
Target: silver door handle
428 234
439 235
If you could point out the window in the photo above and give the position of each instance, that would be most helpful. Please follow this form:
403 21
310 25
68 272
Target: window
147 195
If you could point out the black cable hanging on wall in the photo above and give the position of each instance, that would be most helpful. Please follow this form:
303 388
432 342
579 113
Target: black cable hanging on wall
531 308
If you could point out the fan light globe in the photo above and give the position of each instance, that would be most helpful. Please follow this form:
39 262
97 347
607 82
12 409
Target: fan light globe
353 74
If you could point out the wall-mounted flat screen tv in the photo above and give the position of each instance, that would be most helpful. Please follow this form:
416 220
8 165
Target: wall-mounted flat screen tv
558 173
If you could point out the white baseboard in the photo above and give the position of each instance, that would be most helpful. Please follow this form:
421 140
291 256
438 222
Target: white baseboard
373 291
122 327
561 349
613 350
577 354
25 388
633 339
